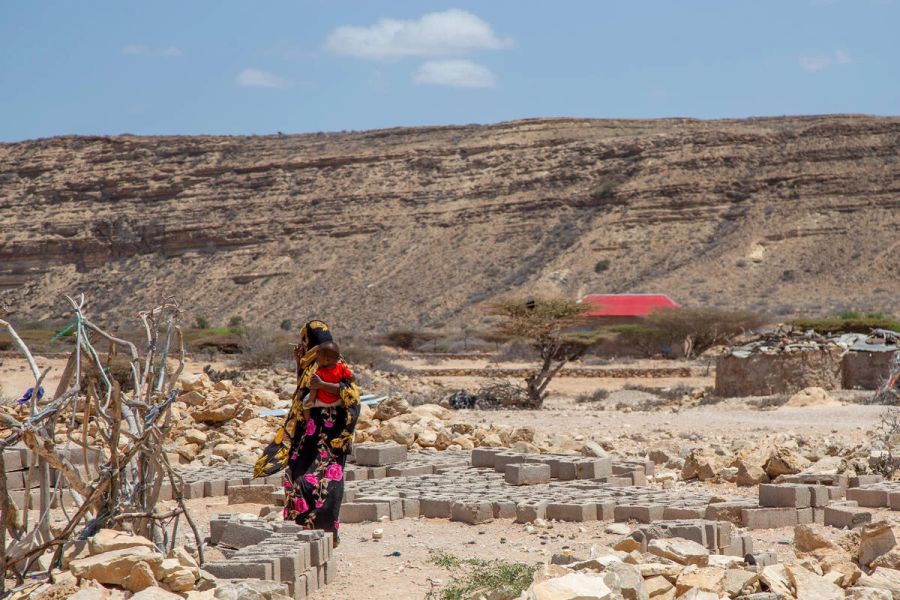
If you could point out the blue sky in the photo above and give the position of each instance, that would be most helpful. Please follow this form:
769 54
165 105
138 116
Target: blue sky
227 67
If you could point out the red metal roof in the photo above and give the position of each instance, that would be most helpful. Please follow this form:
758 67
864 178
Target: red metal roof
627 305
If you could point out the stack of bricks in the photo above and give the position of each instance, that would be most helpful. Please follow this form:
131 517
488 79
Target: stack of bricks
282 552
789 504
883 494
719 537
208 482
17 460
475 495
380 460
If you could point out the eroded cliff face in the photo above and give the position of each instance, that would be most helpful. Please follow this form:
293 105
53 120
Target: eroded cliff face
407 227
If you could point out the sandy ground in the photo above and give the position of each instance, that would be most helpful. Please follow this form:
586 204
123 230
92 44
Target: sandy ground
367 568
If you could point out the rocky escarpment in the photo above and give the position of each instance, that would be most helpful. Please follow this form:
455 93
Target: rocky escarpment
407 227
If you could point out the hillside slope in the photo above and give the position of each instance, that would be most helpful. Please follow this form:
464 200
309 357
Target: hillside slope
410 227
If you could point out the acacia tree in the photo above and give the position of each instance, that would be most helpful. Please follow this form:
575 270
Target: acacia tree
548 325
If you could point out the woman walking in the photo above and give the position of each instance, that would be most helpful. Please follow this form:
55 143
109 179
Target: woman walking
315 440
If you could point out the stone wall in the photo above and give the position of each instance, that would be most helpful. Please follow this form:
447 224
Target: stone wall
865 370
784 373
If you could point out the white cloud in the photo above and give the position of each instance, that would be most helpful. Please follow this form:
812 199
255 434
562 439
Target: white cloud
821 62
139 50
258 78
454 73
453 32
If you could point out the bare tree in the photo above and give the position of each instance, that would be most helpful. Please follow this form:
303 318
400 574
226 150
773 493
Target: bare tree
549 326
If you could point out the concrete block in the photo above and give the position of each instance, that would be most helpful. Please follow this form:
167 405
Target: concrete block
232 569
527 512
593 468
577 512
606 510
353 512
250 494
784 496
504 509
483 457
684 512
376 472
819 496
846 516
472 513
379 455
411 508
240 535
859 480
214 488
393 505
192 490
643 513
412 471
435 508
768 518
14 459
526 473
868 497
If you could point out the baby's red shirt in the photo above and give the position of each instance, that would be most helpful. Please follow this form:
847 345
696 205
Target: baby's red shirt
334 374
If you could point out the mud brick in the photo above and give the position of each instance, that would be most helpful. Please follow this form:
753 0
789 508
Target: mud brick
214 488
870 497
768 518
643 513
789 495
504 509
376 472
527 512
250 494
192 490
411 471
411 508
472 513
435 508
846 516
483 457
577 512
239 535
526 473
684 512
232 569
379 455
860 480
730 511
352 512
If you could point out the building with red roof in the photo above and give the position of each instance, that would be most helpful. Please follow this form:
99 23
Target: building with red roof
623 308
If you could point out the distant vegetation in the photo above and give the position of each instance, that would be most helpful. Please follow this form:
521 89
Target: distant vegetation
849 321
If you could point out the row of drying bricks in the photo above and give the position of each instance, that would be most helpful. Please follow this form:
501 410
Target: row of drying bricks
281 552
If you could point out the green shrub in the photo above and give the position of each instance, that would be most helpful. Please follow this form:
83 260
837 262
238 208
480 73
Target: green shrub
409 339
235 321
201 323
286 325
472 577
850 322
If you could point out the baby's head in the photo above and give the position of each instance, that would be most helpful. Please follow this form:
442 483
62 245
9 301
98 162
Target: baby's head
327 354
